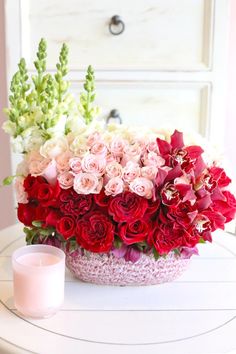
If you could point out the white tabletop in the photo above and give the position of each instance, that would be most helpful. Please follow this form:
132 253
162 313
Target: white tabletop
194 314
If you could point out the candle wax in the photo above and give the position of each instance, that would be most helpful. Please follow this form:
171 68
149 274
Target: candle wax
38 259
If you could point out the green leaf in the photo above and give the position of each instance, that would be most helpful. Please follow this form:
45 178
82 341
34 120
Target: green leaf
201 240
37 223
73 245
8 180
117 243
142 246
177 252
156 254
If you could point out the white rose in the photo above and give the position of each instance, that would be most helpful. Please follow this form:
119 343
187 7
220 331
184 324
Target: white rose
54 147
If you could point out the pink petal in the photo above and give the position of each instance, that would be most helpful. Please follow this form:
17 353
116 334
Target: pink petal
132 255
50 172
199 167
217 195
187 252
120 252
177 140
204 202
161 176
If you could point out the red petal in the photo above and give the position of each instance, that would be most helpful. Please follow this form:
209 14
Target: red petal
174 173
177 140
164 147
194 151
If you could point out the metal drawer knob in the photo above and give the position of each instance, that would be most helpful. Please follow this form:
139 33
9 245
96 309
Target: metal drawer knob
116 25
114 115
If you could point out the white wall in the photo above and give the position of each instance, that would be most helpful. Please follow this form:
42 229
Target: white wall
7 213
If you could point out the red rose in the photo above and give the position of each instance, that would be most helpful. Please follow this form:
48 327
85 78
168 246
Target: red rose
101 199
227 208
72 203
31 185
167 237
26 213
41 213
95 232
153 206
133 232
47 194
127 206
52 218
66 227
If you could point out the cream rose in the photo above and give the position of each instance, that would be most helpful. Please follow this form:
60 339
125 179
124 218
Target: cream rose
54 147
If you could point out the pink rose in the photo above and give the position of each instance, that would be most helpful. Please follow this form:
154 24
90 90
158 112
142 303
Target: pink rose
99 148
112 158
21 194
93 138
149 172
93 164
151 158
117 146
131 171
114 186
63 162
66 180
86 183
132 149
113 169
152 146
75 164
142 186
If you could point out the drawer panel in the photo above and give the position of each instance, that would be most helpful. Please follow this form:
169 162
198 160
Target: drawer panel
181 105
158 35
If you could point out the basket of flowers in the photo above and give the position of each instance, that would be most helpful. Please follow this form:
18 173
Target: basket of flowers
127 205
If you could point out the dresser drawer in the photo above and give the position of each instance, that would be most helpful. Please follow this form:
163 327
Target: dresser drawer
158 34
183 106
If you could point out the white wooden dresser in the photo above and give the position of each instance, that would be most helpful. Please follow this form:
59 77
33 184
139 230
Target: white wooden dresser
166 67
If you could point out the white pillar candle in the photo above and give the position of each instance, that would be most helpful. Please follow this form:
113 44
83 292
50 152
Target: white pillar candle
38 278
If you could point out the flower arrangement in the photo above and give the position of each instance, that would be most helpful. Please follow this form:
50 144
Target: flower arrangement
112 189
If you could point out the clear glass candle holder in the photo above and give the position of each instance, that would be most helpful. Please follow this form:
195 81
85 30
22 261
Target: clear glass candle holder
39 280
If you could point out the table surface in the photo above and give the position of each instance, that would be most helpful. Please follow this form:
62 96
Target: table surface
194 314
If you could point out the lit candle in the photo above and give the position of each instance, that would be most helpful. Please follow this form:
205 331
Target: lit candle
38 277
